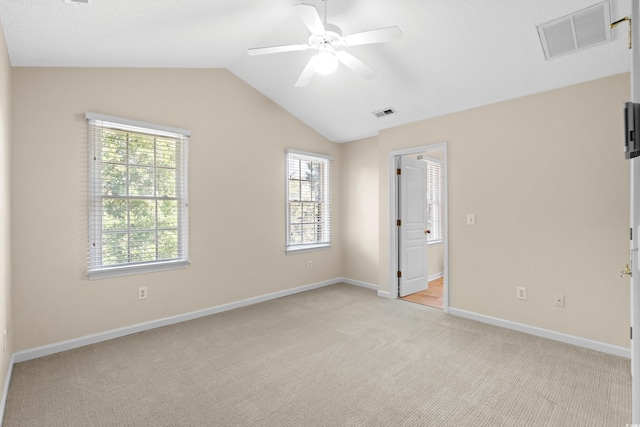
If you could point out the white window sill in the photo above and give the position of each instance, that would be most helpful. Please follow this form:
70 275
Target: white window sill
136 269
307 248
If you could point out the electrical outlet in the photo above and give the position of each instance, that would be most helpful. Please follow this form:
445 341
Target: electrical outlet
521 293
559 300
309 264
142 292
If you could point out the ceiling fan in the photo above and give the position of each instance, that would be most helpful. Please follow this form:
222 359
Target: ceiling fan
327 38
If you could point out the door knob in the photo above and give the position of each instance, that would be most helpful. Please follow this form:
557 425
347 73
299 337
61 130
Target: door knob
626 270
427 231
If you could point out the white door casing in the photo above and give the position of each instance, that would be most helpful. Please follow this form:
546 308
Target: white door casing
393 163
635 223
412 231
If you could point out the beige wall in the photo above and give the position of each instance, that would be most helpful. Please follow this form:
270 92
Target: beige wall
360 210
548 183
544 175
237 223
5 203
435 258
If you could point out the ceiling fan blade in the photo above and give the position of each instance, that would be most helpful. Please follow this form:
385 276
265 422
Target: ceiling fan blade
356 65
306 75
373 36
276 49
309 15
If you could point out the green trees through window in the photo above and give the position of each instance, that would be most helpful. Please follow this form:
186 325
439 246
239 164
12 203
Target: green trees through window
138 192
139 204
308 201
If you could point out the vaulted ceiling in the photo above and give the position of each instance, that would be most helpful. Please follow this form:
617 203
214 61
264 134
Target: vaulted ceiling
453 55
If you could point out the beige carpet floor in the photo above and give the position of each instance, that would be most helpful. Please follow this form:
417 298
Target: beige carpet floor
336 356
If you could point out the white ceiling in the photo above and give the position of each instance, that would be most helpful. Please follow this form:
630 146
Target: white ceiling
454 55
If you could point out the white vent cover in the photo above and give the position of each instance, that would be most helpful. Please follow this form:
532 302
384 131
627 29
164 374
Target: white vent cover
385 112
582 29
77 1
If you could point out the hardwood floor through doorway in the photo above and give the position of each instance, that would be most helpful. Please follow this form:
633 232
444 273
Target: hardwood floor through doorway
431 297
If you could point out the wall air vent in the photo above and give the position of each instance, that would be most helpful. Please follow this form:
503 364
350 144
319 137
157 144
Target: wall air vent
585 28
385 112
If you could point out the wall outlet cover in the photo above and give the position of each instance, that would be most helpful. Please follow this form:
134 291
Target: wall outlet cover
521 292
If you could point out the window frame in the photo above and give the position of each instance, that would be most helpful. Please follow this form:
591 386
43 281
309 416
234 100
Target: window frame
439 222
96 269
325 160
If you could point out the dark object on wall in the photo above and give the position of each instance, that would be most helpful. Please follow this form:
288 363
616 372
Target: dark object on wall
631 129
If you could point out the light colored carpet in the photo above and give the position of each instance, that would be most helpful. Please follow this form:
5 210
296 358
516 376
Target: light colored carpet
336 356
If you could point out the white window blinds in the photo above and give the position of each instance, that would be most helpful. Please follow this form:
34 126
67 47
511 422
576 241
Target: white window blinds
435 194
138 198
308 196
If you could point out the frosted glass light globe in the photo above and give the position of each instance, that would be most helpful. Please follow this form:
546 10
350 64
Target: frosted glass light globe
325 63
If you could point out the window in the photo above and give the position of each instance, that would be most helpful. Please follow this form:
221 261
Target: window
138 205
435 192
308 201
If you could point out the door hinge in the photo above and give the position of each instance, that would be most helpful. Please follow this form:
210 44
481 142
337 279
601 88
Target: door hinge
398 222
630 233
630 332
398 171
399 274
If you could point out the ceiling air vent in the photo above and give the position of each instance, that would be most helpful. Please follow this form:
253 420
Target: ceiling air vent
582 29
385 112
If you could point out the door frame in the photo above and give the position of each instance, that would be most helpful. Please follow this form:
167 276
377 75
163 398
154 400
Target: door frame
392 160
634 199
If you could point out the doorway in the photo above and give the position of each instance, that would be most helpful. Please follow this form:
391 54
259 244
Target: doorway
431 297
423 265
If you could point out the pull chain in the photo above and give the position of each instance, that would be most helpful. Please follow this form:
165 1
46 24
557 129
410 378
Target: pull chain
325 11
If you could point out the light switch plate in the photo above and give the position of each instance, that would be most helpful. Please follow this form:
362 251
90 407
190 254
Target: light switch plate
471 219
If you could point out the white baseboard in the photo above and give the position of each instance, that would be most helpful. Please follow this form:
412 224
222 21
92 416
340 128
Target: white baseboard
359 283
385 294
544 333
5 389
435 276
46 350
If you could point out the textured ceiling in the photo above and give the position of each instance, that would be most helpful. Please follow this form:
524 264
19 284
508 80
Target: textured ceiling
454 55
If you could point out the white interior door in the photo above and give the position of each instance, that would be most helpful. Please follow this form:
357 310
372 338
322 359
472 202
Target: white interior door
414 276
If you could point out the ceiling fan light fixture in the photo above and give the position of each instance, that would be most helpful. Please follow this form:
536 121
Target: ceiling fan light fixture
327 39
325 63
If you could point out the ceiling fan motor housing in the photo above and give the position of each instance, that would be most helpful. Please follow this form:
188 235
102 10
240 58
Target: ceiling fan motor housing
330 39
